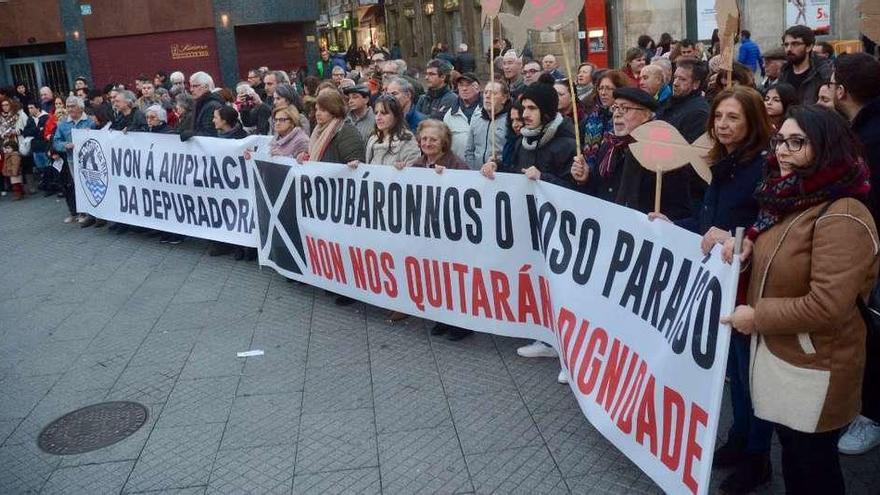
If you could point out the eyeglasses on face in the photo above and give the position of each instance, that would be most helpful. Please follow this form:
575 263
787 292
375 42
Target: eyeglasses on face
793 143
623 109
282 119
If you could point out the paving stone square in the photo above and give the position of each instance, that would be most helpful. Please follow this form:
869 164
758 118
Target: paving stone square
341 401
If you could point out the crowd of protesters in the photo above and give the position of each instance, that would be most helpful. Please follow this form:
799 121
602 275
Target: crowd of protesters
795 160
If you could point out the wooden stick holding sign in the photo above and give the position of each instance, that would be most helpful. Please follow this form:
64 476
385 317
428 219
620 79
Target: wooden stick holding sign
489 12
574 100
727 18
660 148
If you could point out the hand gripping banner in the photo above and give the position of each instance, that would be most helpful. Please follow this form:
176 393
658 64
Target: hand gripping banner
631 306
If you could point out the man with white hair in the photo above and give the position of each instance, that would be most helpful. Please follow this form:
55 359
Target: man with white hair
201 84
157 120
128 116
47 100
337 75
511 68
465 61
62 146
551 66
178 83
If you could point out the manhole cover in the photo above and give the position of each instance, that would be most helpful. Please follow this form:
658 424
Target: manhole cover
92 427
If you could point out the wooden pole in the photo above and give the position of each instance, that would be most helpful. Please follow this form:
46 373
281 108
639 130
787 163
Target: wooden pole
658 187
492 80
574 100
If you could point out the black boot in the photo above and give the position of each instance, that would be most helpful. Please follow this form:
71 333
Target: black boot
439 329
730 454
753 472
344 301
456 333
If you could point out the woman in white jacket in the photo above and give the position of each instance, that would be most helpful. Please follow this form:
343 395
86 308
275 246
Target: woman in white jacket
479 147
391 142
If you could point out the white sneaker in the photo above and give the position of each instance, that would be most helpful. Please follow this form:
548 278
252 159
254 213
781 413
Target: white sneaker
862 435
563 377
536 349
69 219
82 218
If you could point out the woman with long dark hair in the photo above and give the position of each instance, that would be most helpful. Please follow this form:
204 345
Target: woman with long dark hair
778 100
813 252
740 130
391 141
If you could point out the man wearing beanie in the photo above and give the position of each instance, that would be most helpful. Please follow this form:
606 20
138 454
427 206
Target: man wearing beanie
439 98
619 177
544 152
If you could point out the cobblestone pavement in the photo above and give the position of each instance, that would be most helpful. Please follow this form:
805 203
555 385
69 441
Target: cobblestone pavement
341 402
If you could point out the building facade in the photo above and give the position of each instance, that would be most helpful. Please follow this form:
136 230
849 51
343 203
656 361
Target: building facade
342 23
51 42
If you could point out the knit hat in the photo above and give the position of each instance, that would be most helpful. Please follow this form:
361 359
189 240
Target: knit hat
543 95
637 96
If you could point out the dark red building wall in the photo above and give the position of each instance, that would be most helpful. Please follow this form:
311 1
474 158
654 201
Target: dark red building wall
122 58
278 46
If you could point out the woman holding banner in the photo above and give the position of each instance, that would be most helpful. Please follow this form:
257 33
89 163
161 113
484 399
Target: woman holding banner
391 142
740 130
813 252
290 138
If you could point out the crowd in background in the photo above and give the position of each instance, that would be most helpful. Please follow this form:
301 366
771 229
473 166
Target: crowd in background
795 158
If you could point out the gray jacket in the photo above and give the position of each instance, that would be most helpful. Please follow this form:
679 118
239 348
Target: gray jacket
365 125
479 145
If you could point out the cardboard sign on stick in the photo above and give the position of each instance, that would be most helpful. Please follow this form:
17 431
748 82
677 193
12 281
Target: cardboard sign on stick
659 147
727 16
538 15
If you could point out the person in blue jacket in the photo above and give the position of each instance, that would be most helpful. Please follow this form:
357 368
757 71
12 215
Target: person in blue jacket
741 130
750 53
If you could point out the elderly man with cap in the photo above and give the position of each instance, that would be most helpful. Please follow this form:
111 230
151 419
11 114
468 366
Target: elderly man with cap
439 98
773 61
458 117
360 114
619 177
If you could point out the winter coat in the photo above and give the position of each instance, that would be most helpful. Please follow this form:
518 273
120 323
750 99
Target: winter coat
553 154
818 74
688 114
203 116
36 129
346 145
637 188
135 121
465 62
436 102
414 118
808 353
460 125
750 55
448 160
479 144
729 201
385 153
365 125
162 128
257 116
866 125
236 132
294 143
64 134
12 164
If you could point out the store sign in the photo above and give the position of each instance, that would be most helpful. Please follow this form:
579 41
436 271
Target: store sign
815 14
187 50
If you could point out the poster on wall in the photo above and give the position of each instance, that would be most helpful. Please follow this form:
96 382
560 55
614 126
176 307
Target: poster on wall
815 14
706 22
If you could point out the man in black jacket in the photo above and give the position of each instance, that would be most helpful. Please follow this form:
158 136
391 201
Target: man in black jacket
129 117
804 71
856 87
439 98
202 87
465 61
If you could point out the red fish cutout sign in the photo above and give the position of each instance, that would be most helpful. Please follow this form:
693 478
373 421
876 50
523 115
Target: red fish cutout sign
538 15
659 147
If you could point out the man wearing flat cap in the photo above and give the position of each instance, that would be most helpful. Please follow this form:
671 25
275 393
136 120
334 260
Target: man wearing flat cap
458 117
619 177
360 114
773 61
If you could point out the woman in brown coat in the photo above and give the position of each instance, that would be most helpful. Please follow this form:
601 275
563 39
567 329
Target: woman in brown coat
813 254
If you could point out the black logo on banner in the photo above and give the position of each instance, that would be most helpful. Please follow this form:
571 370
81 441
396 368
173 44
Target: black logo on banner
93 170
276 209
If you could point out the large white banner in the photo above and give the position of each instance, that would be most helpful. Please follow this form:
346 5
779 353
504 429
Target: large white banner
198 188
631 306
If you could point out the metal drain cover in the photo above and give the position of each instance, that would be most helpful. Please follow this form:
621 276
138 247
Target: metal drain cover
92 427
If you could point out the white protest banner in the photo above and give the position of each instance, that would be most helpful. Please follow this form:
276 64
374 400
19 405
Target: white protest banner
632 306
199 188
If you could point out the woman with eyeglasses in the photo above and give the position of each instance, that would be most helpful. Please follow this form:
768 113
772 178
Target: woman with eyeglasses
289 138
813 253
598 122
778 100
740 131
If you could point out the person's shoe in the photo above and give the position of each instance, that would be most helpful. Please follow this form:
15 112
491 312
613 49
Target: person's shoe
238 253
219 249
397 316
730 454
562 377
88 222
81 218
455 334
439 329
175 239
100 223
344 301
536 349
862 435
69 219
751 474
164 238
